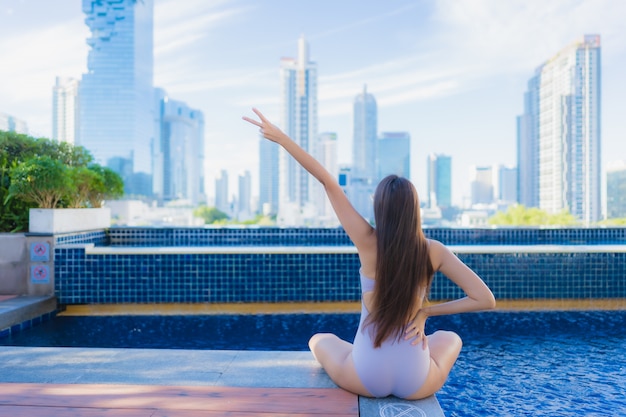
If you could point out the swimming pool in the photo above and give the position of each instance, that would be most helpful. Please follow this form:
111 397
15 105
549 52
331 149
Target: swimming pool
512 364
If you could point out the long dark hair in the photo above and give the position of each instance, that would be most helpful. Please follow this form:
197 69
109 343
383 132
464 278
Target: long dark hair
403 268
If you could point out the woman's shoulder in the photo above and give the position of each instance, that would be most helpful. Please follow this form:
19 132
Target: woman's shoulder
436 251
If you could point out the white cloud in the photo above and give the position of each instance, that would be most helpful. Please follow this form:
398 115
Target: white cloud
518 35
33 58
177 26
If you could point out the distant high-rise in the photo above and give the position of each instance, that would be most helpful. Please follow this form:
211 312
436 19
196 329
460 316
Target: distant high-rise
559 133
222 202
364 173
244 211
394 154
327 156
365 134
65 122
268 177
482 184
505 184
116 93
178 152
439 181
299 117
616 191
10 123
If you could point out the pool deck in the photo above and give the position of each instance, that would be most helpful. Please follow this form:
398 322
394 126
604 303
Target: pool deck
42 381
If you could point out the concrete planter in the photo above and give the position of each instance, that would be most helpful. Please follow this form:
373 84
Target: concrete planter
68 220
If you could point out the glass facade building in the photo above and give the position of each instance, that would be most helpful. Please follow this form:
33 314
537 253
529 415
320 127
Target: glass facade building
65 121
439 181
116 93
365 135
364 173
394 154
327 155
559 134
299 117
10 123
222 201
268 177
178 152
244 204
616 191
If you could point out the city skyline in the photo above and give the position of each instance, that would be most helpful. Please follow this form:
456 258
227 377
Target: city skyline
448 73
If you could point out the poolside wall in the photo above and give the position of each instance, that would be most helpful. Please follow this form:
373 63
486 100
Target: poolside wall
13 264
192 265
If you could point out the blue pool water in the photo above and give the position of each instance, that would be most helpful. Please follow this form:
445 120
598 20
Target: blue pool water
512 364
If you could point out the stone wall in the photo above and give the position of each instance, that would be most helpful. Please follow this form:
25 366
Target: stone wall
13 264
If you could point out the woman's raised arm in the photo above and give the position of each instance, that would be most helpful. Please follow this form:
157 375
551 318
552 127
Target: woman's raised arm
357 228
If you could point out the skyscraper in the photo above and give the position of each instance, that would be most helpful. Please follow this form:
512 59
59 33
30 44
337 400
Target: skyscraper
12 124
616 190
505 184
327 154
244 211
268 177
364 172
481 184
222 202
178 152
394 154
365 134
116 93
299 116
439 181
65 122
559 133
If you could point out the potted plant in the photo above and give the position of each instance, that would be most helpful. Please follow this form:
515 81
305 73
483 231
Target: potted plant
68 198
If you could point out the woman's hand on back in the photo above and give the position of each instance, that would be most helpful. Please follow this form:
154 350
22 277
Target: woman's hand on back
416 329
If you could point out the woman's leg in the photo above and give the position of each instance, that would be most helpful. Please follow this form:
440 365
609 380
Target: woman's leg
335 356
445 347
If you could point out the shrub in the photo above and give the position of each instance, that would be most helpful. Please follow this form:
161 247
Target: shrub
109 186
40 180
26 183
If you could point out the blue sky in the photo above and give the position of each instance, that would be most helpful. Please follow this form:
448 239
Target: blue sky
450 72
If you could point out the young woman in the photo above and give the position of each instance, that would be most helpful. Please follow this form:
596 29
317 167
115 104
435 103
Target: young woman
390 355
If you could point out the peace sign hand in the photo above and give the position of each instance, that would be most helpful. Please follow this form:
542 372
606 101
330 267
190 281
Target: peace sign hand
267 129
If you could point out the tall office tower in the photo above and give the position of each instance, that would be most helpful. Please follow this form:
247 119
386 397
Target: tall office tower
299 99
221 193
116 93
65 122
10 123
394 154
439 181
268 177
559 133
244 211
364 174
178 152
481 184
505 184
327 155
365 134
616 191
528 147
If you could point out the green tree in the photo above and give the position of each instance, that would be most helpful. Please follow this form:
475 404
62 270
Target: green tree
16 149
620 221
41 180
107 186
83 181
519 215
211 215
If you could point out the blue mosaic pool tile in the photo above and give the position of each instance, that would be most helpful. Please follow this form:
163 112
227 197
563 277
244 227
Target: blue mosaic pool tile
82 278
